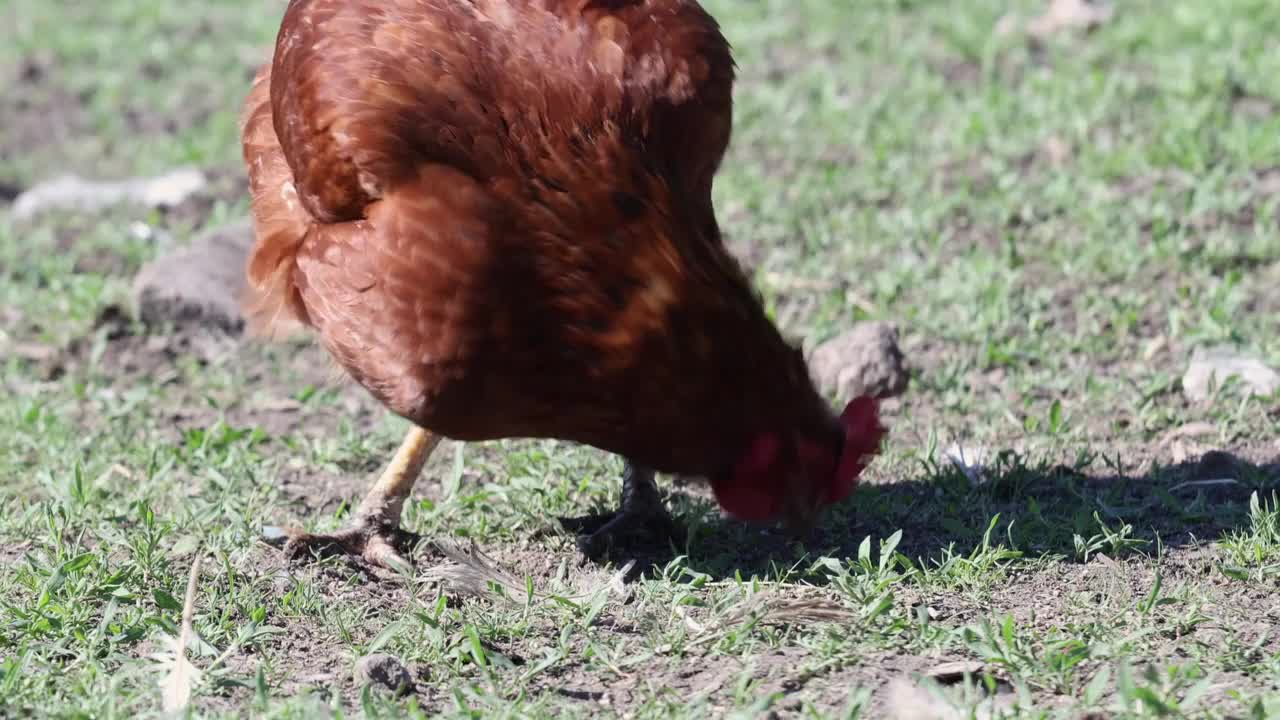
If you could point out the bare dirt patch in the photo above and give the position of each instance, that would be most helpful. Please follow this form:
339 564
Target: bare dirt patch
37 112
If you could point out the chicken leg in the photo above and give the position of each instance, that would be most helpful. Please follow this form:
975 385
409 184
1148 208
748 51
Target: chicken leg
641 517
375 534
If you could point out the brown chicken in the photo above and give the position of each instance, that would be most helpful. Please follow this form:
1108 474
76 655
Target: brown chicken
497 216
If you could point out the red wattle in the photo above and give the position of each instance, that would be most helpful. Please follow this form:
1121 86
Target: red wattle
863 434
746 503
749 493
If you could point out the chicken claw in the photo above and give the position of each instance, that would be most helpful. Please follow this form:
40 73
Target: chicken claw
642 519
377 543
375 535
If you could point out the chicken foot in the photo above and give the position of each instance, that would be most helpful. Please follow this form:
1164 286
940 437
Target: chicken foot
375 534
641 516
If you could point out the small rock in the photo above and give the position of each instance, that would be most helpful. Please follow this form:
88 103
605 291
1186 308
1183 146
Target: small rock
199 284
74 193
1212 368
1069 15
384 671
1059 16
273 535
904 700
929 700
950 673
865 360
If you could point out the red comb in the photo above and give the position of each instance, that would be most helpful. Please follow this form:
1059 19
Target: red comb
863 434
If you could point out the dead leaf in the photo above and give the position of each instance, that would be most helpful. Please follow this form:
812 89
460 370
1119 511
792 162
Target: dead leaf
1196 484
471 571
1180 441
972 461
183 675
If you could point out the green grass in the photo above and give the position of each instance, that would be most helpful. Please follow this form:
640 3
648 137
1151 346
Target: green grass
1054 229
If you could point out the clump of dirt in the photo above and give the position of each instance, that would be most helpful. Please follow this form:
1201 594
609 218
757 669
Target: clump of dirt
384 671
200 285
863 361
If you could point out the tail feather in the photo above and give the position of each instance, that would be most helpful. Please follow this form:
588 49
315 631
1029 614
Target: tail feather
272 304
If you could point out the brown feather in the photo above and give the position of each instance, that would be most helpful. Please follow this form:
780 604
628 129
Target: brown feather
497 216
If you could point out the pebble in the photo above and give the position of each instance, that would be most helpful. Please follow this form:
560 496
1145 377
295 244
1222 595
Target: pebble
1213 367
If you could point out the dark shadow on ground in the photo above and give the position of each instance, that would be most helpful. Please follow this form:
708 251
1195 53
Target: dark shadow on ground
1041 510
